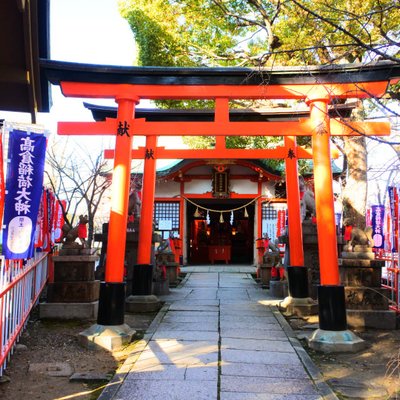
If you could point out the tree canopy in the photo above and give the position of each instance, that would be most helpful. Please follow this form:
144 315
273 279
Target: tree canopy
261 33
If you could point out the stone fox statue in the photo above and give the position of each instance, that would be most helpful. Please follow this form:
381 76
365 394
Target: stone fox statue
359 236
307 200
134 205
79 232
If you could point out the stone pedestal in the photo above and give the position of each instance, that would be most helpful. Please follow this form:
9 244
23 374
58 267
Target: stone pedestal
301 307
336 341
298 302
278 289
367 303
172 267
172 273
74 294
142 304
264 274
264 270
131 246
311 256
111 338
161 287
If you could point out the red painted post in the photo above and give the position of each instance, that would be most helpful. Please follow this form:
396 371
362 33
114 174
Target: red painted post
293 203
112 291
148 191
120 193
327 243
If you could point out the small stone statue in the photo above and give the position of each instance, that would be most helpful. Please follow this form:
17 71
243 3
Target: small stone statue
307 200
271 256
135 204
362 237
71 234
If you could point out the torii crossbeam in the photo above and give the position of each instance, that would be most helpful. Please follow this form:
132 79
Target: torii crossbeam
318 89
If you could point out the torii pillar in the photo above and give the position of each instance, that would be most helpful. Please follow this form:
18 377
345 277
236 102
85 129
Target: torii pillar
332 333
112 291
110 331
298 302
142 298
147 211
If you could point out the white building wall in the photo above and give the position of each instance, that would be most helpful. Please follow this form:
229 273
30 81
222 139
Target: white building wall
167 189
243 186
198 186
268 189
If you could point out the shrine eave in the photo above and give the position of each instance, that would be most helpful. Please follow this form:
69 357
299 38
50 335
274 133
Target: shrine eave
101 112
184 165
60 71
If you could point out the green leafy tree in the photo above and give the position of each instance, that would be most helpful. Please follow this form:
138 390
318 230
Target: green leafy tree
259 33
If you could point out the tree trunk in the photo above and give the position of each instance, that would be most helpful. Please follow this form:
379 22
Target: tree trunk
90 230
355 191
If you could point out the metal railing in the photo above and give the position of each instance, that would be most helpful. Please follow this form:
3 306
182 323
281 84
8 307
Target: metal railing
21 283
391 277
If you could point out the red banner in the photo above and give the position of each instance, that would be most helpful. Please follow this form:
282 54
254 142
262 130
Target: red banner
280 224
2 193
58 220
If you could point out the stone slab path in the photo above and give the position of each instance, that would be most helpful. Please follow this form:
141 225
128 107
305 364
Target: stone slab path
218 337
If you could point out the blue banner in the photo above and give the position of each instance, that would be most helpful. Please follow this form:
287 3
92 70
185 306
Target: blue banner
378 219
24 181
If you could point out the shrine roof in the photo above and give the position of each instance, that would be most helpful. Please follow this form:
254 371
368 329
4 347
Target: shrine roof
24 33
58 71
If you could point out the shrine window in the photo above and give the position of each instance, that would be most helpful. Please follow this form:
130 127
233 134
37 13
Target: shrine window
166 217
273 219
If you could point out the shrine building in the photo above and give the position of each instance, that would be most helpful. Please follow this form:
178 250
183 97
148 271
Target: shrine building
219 208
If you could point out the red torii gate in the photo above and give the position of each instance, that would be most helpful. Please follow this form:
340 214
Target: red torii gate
319 126
289 152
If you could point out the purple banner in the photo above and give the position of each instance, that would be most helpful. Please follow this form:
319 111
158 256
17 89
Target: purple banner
377 220
393 201
26 157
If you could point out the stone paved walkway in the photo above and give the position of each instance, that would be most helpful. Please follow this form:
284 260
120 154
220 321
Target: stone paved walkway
218 337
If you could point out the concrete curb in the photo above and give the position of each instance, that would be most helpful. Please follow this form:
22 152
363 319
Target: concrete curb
112 387
184 280
324 389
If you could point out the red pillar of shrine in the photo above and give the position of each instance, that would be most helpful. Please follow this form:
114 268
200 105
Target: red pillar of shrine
331 298
297 273
112 291
142 285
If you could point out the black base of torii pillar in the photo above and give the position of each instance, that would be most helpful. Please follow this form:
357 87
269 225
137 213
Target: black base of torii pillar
298 302
111 304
